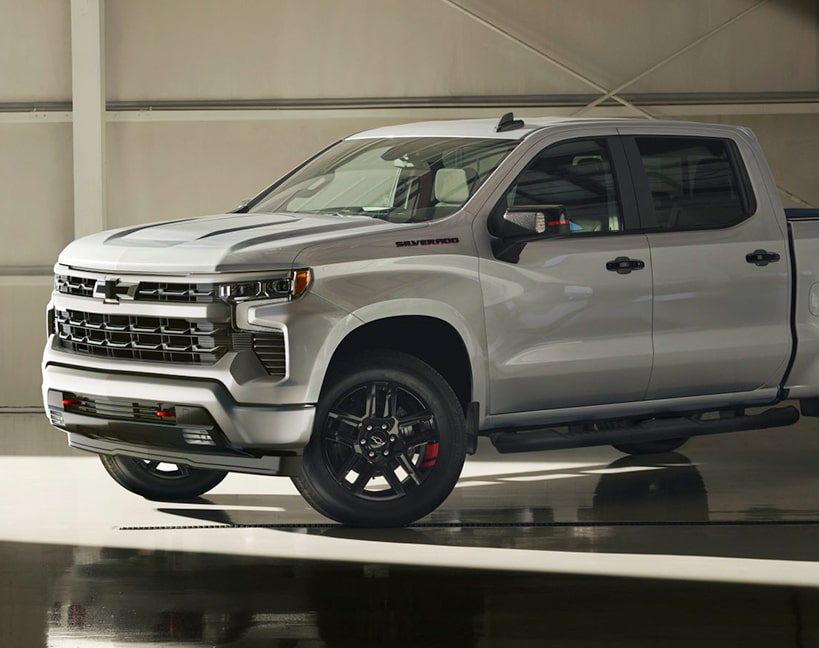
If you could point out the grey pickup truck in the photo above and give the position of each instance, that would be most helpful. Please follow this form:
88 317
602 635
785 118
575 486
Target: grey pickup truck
363 322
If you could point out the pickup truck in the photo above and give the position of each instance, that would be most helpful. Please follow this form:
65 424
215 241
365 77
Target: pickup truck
361 323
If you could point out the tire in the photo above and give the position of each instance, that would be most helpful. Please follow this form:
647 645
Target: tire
388 443
651 447
155 480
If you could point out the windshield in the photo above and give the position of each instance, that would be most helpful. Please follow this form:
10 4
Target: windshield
400 180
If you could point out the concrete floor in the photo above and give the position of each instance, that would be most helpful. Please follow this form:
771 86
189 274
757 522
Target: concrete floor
717 544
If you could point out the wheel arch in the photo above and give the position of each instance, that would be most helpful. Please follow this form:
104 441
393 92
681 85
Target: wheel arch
430 339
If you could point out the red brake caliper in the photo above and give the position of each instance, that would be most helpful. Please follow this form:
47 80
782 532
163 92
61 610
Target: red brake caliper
430 455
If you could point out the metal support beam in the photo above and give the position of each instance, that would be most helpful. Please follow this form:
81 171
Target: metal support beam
612 94
88 89
547 57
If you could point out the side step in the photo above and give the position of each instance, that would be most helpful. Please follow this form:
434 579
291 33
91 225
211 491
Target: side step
651 430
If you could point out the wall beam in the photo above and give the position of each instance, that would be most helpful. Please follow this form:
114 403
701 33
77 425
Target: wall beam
88 90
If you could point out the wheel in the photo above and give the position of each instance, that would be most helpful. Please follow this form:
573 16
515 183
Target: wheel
388 443
651 447
160 481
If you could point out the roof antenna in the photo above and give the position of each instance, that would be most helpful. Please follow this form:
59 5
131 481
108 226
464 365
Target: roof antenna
507 123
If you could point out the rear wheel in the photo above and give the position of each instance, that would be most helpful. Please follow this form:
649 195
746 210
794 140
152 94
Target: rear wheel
651 447
157 480
388 444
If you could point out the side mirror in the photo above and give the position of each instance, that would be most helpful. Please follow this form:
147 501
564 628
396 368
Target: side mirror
533 222
525 223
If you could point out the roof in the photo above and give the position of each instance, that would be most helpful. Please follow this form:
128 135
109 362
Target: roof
483 128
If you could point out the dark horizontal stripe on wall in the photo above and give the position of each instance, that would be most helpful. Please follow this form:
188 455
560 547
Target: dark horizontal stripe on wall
468 101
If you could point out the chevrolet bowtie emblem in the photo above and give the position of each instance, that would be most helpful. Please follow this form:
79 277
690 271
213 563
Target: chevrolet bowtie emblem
111 290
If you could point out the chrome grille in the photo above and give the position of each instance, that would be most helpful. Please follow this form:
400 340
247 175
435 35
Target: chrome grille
164 339
136 337
78 286
177 292
151 291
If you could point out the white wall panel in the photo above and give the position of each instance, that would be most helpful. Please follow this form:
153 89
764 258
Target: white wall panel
206 49
210 49
773 49
35 50
615 41
36 210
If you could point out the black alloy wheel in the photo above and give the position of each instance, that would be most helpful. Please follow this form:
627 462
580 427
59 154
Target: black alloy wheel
388 445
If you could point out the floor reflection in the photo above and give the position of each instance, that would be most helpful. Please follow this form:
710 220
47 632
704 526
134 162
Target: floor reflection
745 495
662 488
112 596
640 505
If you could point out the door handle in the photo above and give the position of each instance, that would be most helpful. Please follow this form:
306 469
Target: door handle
624 265
762 257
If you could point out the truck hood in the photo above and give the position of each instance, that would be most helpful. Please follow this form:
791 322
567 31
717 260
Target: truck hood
220 243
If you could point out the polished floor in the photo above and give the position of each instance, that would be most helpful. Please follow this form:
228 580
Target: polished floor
717 544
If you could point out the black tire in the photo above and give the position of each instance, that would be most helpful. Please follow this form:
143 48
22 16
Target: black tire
388 444
156 480
657 446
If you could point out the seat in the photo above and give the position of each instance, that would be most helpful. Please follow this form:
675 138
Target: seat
450 191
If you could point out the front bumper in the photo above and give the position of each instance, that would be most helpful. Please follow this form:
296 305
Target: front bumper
117 413
265 465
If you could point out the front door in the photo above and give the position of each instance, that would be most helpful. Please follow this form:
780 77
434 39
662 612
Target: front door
568 323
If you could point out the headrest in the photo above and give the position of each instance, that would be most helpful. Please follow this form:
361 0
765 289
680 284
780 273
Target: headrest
451 186
589 167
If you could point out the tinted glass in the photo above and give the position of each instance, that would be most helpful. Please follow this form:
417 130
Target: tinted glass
693 182
578 175
398 179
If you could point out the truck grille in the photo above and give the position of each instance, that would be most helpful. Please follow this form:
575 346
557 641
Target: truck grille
151 291
134 337
163 339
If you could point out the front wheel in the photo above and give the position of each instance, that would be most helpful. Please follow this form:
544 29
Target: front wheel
388 444
156 480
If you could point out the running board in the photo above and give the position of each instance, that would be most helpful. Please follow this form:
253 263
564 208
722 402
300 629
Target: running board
651 430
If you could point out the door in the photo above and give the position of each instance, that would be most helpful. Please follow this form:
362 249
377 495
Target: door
568 321
720 263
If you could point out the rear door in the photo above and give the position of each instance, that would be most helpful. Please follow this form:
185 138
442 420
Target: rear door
720 264
564 327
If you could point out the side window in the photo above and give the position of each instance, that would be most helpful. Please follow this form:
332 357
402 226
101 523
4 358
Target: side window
694 182
576 174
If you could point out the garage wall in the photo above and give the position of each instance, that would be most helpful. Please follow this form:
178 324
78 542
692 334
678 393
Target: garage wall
209 101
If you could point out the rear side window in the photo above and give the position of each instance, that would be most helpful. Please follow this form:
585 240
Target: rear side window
695 183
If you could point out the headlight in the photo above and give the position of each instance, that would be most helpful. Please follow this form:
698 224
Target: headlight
289 286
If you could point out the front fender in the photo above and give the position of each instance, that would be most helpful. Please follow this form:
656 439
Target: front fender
347 296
